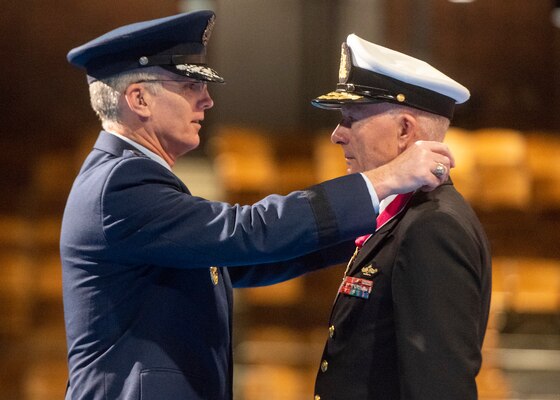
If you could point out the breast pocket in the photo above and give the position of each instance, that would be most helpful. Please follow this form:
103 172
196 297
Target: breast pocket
162 384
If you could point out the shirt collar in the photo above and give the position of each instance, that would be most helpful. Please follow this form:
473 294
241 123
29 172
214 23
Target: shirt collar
385 202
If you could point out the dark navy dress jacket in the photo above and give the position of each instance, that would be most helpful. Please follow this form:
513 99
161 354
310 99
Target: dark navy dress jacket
146 317
419 333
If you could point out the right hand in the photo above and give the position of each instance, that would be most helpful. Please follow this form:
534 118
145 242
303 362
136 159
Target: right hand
412 169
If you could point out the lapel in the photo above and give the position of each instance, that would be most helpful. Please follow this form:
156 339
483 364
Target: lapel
386 221
377 239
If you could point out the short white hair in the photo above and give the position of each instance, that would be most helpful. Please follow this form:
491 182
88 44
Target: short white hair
105 94
433 126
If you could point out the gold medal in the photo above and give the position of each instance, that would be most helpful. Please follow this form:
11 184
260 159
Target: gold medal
214 275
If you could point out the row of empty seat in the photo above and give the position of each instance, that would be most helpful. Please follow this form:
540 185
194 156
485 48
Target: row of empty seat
32 340
526 285
507 168
495 168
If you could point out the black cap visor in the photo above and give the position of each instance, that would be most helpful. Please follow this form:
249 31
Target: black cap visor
365 86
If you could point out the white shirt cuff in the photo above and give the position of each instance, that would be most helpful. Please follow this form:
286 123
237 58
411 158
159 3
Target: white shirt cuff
372 193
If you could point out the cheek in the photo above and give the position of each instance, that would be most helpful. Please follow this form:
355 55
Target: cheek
376 151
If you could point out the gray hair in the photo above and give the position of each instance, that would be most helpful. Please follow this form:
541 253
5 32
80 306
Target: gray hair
105 95
433 126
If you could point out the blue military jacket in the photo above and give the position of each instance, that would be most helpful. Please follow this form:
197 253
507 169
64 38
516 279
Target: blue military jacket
146 317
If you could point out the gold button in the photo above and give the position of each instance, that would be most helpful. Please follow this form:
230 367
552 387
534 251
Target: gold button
324 365
331 331
401 97
317 397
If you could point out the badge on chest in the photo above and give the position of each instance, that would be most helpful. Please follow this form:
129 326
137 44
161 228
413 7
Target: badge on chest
357 287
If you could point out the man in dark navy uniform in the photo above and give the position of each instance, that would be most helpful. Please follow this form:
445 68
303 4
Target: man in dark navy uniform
148 268
411 312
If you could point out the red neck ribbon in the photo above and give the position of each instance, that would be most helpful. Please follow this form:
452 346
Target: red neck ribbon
390 212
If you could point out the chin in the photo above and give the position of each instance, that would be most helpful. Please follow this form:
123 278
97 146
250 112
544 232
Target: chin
186 149
193 143
353 169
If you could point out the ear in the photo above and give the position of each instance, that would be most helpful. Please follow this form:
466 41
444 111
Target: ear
408 133
137 98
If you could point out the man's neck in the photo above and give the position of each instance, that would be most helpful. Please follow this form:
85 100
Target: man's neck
144 139
140 146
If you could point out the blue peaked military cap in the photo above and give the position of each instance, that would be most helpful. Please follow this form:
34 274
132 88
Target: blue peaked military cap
176 43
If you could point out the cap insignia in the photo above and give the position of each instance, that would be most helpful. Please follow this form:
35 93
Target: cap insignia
198 69
340 96
208 30
345 63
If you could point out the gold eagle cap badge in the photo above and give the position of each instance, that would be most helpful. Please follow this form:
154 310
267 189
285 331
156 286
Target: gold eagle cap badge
345 63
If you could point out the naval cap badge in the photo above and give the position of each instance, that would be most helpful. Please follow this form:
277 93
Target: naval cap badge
345 63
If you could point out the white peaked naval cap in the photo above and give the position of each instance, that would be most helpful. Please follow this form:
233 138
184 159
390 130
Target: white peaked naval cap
370 73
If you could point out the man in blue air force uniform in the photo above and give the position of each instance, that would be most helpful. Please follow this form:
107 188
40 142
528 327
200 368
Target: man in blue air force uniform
148 268
410 315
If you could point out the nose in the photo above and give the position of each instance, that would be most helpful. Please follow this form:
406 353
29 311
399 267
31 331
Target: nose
339 135
206 101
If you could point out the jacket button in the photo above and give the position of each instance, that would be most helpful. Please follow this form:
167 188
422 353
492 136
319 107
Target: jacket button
317 397
331 331
324 365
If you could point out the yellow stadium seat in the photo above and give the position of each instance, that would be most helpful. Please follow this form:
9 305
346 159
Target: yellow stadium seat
464 174
536 286
503 173
543 156
244 162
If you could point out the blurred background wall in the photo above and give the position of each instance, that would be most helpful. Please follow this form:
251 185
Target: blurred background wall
263 136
